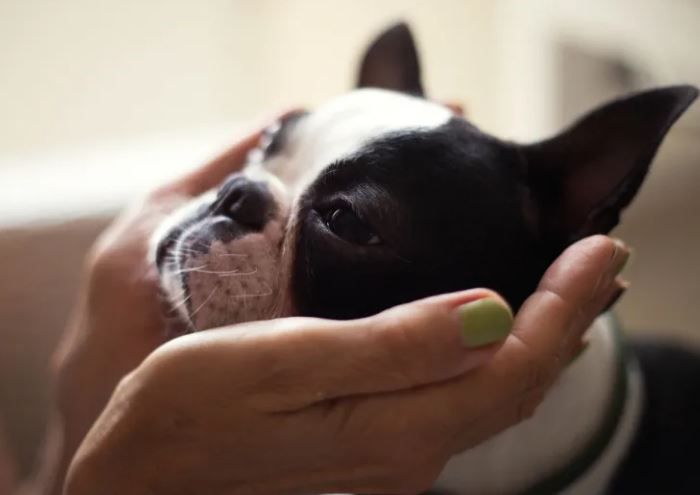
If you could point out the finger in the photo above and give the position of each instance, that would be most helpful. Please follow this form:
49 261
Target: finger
402 348
552 321
615 293
456 107
301 361
531 356
497 419
213 173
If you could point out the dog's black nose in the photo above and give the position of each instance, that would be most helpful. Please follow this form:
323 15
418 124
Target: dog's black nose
249 203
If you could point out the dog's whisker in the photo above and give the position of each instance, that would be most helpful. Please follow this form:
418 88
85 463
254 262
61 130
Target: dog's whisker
211 294
233 273
190 251
180 303
192 269
227 273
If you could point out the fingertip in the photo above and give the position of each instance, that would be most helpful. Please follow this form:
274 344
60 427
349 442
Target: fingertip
598 244
484 321
456 107
451 300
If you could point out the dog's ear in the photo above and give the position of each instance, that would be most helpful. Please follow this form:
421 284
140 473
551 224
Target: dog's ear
584 177
391 62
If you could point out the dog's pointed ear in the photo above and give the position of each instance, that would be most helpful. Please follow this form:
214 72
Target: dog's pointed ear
391 62
584 177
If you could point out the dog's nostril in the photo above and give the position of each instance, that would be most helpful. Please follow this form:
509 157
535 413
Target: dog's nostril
247 202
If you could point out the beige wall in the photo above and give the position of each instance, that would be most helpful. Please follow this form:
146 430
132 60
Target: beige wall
77 71
82 70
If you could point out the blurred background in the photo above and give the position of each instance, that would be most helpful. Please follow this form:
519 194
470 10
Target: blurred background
101 100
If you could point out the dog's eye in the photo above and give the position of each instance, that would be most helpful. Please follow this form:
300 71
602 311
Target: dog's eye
345 224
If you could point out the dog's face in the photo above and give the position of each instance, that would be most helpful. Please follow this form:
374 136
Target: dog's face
381 197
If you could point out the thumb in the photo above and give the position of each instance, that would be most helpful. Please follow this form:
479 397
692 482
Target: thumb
302 361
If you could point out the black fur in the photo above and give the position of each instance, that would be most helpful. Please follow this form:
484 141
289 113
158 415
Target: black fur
458 208
391 62
449 206
663 460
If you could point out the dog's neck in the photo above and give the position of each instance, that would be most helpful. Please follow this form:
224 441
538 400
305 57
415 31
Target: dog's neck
547 446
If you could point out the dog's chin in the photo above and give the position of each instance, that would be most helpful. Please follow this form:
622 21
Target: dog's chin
210 282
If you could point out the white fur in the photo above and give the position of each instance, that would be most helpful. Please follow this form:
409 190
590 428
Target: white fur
170 279
341 127
568 418
601 472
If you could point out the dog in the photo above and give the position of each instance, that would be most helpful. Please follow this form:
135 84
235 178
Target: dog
381 197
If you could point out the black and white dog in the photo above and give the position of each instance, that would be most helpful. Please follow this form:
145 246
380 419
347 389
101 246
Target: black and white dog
381 197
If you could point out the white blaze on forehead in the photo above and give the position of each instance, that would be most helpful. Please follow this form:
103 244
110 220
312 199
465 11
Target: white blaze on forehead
245 279
342 126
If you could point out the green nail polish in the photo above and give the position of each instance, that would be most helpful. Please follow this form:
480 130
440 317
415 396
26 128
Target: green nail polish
625 261
622 258
484 322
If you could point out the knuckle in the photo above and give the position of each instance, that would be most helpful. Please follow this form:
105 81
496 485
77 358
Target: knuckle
101 269
398 341
527 406
538 372
102 260
561 302
535 374
98 264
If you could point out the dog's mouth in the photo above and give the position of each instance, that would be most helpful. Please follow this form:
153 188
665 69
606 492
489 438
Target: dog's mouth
174 292
213 273
175 324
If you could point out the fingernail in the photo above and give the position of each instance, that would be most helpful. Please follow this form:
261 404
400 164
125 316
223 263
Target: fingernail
484 322
620 258
614 298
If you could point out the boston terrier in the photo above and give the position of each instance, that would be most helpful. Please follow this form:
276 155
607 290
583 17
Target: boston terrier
381 196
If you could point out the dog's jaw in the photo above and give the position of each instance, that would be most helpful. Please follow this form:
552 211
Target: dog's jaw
210 281
233 281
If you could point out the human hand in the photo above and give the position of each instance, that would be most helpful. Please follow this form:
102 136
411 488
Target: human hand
376 405
117 320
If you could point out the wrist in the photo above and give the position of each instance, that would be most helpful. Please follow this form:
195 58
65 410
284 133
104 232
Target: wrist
106 461
119 454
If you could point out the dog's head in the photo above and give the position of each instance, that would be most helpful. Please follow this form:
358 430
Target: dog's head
382 196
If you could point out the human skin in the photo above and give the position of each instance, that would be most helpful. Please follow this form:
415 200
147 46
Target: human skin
7 466
294 405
